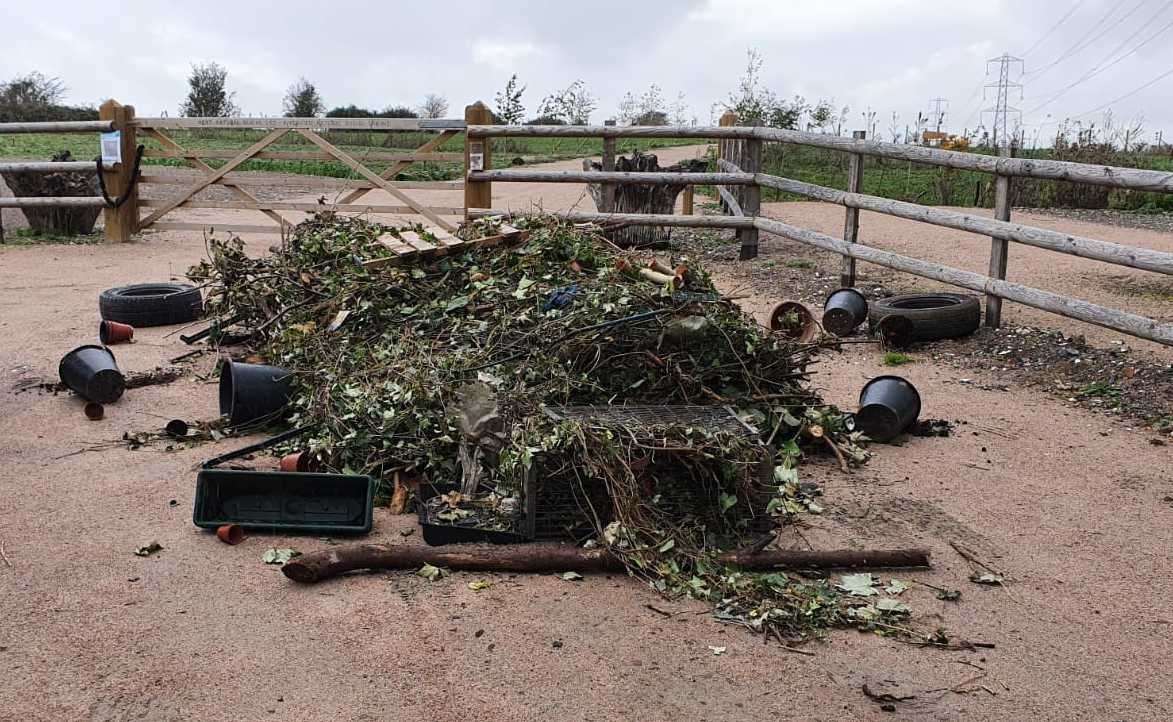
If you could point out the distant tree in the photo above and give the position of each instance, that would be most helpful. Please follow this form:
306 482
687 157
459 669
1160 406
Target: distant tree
208 96
353 111
787 115
302 100
546 120
752 103
627 109
32 90
350 111
36 97
680 110
434 106
822 115
510 110
397 111
651 103
573 104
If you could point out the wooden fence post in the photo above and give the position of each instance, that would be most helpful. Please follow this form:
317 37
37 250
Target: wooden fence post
999 248
725 151
851 220
751 162
687 201
478 155
121 222
608 166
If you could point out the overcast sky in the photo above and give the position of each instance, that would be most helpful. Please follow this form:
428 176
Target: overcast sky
887 55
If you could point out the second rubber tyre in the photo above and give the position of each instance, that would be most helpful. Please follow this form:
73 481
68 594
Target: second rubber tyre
151 304
934 316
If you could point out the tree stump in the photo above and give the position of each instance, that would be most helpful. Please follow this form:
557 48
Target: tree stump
56 221
640 198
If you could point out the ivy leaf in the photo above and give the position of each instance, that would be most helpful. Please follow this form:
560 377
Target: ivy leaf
430 572
728 501
895 586
479 585
523 286
858 585
455 303
667 545
892 606
279 556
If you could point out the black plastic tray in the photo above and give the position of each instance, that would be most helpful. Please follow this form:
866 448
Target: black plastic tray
438 534
280 501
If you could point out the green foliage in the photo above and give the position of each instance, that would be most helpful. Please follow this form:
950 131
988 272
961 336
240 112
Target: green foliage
1100 389
36 97
510 110
208 95
895 358
302 100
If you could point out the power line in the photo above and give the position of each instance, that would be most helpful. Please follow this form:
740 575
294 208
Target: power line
1054 27
1097 69
1084 42
1129 94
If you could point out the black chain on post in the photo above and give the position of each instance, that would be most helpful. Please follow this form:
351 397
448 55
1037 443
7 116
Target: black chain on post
117 202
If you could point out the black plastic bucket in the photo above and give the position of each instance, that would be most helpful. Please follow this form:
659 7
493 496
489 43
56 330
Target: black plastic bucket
251 392
843 310
888 406
93 373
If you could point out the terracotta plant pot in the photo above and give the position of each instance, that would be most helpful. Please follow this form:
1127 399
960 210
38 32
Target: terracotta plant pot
300 461
807 328
231 534
112 332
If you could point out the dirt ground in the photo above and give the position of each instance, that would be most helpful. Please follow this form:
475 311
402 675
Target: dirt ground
1075 509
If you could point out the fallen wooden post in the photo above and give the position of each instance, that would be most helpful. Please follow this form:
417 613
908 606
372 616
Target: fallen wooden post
546 557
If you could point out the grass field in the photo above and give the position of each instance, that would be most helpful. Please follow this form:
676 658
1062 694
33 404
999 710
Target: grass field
37 146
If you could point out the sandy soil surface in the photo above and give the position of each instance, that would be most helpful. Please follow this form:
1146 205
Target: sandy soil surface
1073 508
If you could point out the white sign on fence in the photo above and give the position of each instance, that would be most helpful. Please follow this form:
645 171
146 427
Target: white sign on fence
111 147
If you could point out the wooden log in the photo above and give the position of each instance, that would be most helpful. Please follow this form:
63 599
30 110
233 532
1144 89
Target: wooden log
731 204
64 126
642 178
1115 253
1110 318
1113 176
851 219
60 202
658 198
547 557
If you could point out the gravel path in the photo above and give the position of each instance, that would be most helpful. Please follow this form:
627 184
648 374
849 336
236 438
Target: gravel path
1074 509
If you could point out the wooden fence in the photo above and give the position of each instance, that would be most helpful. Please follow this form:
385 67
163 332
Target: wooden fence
739 180
136 213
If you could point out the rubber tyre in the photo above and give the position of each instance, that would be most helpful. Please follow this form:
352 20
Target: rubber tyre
934 316
151 304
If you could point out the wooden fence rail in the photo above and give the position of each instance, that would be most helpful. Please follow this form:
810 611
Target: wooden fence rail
67 166
654 178
63 126
1116 177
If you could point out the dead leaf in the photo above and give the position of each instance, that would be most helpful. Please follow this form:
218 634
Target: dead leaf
149 549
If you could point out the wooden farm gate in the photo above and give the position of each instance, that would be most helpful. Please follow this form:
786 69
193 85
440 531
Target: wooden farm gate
155 211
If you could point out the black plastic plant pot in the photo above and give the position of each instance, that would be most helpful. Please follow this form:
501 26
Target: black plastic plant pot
888 406
93 373
440 533
844 310
277 501
253 392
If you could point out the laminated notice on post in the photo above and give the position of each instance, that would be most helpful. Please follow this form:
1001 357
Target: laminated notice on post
112 147
476 156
